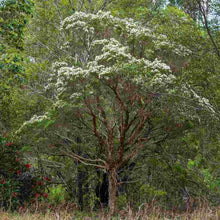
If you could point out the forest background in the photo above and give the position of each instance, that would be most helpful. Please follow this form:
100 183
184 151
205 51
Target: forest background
119 95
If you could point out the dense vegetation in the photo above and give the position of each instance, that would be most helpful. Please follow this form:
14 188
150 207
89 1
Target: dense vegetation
108 103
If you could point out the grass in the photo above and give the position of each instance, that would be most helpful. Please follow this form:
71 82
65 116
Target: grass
145 212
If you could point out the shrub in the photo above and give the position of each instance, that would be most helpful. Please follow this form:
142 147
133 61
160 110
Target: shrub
18 183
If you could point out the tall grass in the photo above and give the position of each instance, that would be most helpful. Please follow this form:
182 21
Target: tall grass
145 212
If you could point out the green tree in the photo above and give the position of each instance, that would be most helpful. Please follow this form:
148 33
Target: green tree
114 92
14 16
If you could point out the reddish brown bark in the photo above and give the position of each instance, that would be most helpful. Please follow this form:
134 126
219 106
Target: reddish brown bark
115 156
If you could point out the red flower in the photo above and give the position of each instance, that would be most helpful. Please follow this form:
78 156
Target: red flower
9 144
28 165
3 181
14 194
17 159
18 172
32 186
40 183
47 179
168 128
58 125
179 125
23 87
18 152
45 195
51 146
37 195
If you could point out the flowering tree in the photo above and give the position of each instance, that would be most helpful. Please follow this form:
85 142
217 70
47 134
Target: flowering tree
116 95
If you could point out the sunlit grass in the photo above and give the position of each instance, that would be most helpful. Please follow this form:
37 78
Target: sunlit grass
146 212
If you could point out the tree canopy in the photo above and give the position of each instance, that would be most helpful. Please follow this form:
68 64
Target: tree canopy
112 85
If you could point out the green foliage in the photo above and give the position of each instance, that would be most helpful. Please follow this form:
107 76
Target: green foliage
186 153
14 15
13 21
56 195
150 191
122 201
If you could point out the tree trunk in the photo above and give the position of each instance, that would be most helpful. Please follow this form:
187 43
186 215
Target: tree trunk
80 178
113 190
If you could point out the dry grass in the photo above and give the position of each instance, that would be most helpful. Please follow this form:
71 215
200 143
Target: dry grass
146 212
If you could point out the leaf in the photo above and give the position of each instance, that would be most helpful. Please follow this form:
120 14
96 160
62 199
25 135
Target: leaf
142 101
191 125
26 148
190 164
50 122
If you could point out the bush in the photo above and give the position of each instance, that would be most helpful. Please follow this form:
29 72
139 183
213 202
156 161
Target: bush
18 184
57 195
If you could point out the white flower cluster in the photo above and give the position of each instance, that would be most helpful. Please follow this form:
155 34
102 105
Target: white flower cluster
66 71
61 75
99 42
156 66
75 95
189 93
182 50
203 101
138 80
150 73
114 50
59 104
128 26
33 120
66 45
57 65
162 80
76 25
76 22
161 42
36 118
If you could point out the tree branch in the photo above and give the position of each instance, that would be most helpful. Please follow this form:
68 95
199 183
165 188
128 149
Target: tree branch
205 22
76 155
97 134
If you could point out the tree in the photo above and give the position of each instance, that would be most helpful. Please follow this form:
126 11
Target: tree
14 15
114 93
199 10
192 7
